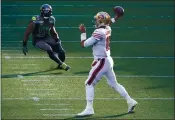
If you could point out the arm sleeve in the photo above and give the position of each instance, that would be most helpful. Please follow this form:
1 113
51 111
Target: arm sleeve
90 41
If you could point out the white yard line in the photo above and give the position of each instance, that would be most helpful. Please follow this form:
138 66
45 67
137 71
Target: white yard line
22 64
89 57
59 115
66 27
41 89
42 94
38 84
11 50
84 98
52 104
121 41
119 76
76 5
83 76
21 68
61 109
35 80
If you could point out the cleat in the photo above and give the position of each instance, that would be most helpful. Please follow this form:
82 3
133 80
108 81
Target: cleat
67 68
131 105
64 66
86 112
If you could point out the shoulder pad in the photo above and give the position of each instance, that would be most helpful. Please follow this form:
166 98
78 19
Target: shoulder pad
98 34
108 27
35 18
52 19
108 32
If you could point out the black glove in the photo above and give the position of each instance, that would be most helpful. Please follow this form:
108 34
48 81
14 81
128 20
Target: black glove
24 48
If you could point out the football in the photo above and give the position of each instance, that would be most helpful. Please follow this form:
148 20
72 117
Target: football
119 11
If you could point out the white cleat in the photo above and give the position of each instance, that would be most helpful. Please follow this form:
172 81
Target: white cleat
86 112
131 105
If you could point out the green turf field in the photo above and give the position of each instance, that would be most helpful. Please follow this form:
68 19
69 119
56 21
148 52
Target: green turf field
142 46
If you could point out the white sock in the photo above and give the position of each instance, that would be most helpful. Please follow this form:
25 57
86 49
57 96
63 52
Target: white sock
89 104
89 96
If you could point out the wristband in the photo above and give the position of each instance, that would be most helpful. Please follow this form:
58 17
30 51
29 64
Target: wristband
83 36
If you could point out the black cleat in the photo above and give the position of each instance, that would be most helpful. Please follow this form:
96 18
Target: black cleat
67 68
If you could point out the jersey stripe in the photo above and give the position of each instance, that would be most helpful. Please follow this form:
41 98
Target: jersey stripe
98 36
96 71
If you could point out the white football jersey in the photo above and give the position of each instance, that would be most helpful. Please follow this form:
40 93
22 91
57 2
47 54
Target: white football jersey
101 48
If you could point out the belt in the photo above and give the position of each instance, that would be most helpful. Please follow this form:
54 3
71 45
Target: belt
100 59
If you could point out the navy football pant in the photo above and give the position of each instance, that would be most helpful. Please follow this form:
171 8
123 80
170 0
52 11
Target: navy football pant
53 48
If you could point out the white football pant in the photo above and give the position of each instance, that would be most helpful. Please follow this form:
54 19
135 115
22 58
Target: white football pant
103 67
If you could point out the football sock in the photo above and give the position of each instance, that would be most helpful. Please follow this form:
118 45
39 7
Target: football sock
89 96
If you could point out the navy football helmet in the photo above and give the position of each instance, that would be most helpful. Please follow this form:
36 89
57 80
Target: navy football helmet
46 11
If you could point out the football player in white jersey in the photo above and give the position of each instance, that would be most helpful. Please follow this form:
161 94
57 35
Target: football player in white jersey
103 62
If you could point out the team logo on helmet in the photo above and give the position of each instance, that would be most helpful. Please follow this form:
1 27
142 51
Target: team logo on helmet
102 18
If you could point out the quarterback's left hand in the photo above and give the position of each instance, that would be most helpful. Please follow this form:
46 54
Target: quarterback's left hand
118 11
82 28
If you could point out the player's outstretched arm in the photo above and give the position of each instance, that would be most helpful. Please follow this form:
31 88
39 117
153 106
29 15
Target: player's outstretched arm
118 12
27 33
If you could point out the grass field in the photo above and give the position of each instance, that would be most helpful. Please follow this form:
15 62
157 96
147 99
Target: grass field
142 47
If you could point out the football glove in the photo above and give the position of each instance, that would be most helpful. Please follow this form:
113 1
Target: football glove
82 28
24 50
118 11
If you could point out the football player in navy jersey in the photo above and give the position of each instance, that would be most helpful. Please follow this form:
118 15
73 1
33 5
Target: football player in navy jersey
45 37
